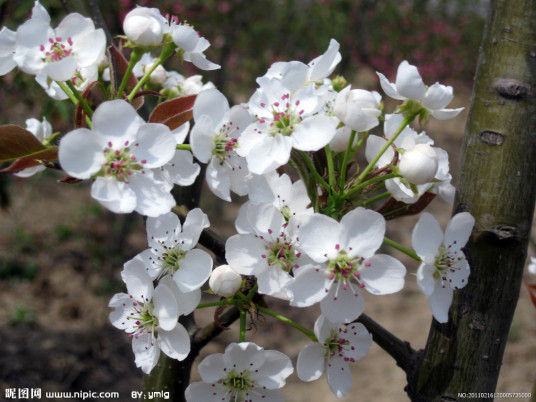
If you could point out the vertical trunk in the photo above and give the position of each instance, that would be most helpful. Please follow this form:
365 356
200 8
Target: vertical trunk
497 186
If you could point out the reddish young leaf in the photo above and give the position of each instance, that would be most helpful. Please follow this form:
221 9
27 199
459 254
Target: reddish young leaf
174 112
90 94
118 68
531 287
17 142
47 155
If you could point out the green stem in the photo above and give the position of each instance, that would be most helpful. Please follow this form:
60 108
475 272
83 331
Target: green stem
312 169
135 56
78 97
288 321
186 147
402 249
347 154
360 141
331 167
167 51
212 304
370 166
374 199
242 326
369 182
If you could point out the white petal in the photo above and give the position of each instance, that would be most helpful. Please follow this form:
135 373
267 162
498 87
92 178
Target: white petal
458 230
186 301
81 153
360 340
165 307
427 235
323 65
196 220
265 219
181 168
273 281
155 145
268 154
342 305
245 355
152 198
61 70
175 343
139 283
117 196
319 237
218 181
389 88
194 270
425 278
309 287
274 370
374 145
384 275
118 121
440 302
212 368
310 365
200 61
457 277
339 377
445 114
437 96
409 82
362 232
162 229
146 352
244 253
202 391
313 133
211 103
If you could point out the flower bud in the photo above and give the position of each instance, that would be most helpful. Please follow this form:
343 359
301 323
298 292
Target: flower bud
143 26
357 108
339 83
158 76
224 281
418 164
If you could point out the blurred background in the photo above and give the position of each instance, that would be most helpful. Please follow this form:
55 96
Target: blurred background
61 253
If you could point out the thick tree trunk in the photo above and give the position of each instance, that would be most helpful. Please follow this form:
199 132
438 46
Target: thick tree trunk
497 186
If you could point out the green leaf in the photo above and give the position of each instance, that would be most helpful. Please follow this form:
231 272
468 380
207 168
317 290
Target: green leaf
17 142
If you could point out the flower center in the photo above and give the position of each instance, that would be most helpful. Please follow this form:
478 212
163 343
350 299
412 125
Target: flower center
224 145
120 163
336 345
57 50
344 269
446 260
171 259
285 116
281 253
143 314
238 383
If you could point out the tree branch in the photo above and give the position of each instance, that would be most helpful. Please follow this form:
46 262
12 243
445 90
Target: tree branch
398 349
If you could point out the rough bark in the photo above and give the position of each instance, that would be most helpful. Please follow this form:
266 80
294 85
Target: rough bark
497 186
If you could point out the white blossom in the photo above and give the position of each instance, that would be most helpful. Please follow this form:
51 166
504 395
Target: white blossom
245 372
444 267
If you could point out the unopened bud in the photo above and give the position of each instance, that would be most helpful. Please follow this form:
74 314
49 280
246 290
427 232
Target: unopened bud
419 164
143 26
224 281
339 83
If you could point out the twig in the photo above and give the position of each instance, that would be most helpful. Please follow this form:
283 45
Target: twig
399 350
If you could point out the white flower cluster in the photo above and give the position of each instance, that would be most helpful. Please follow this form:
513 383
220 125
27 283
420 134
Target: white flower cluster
309 240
